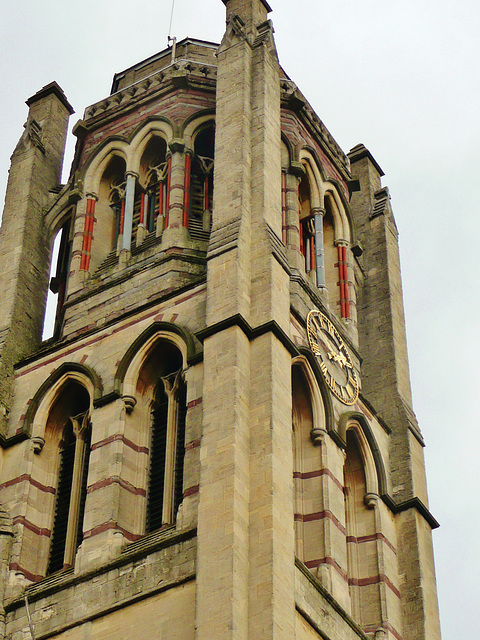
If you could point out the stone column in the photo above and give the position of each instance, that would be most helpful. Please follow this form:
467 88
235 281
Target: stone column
319 252
175 234
132 178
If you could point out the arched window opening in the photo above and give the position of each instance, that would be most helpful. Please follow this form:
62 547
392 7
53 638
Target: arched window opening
70 413
167 439
330 252
309 517
285 163
117 200
150 200
110 209
61 254
362 552
307 225
201 184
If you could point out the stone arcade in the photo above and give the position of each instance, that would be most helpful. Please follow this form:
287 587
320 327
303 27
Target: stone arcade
218 442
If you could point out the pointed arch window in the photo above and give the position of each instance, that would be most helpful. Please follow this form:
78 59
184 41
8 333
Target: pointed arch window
307 475
307 225
362 543
150 204
167 452
71 491
61 254
201 184
117 204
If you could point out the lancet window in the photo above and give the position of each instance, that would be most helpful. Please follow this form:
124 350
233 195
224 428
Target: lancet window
165 490
71 415
161 410
201 184
151 192
61 251
362 539
110 209
307 476
307 226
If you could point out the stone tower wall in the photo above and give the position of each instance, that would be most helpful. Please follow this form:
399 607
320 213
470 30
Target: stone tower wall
293 487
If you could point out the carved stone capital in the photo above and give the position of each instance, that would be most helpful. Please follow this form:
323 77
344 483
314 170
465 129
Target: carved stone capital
370 500
129 403
297 168
80 424
318 436
177 145
38 443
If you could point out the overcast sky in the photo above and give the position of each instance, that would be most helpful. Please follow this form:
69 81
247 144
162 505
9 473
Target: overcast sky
403 77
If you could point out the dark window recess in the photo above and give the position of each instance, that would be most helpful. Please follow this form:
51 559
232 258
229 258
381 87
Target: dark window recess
64 489
58 283
201 185
153 205
180 451
162 507
117 213
83 495
157 463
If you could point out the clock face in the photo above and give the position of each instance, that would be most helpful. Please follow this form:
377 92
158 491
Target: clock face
331 352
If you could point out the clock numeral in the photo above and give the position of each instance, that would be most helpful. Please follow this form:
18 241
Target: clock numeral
318 325
333 382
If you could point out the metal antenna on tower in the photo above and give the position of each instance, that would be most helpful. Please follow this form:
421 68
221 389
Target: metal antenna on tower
170 39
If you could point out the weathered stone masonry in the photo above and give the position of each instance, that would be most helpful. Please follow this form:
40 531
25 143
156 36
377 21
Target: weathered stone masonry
178 460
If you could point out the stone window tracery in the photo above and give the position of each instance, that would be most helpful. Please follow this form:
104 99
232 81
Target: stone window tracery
158 421
150 209
167 452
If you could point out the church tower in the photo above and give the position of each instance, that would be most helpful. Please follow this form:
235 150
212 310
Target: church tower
218 442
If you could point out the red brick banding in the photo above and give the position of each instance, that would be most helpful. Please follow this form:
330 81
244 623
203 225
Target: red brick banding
314 564
83 345
191 491
117 480
107 526
320 515
28 478
194 403
367 582
14 566
194 444
118 437
317 474
32 527
371 538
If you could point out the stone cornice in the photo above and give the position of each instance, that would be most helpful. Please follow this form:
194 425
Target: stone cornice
189 70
